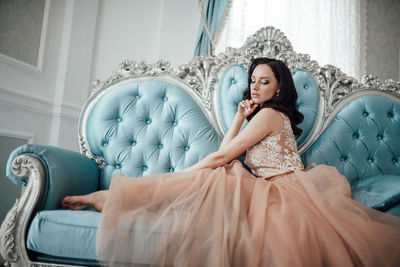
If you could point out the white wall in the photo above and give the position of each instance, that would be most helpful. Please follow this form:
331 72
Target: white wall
73 70
144 30
180 25
383 38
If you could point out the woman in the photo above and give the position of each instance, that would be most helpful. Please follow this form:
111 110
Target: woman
216 213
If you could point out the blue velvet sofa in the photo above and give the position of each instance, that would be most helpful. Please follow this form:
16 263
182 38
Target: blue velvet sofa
152 118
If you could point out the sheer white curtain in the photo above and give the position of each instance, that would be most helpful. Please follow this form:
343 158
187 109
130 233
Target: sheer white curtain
331 32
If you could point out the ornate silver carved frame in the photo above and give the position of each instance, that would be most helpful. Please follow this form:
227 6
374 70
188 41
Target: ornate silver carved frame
200 78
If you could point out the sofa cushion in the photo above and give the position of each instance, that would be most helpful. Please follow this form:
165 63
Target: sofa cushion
149 127
380 192
64 233
363 139
230 93
307 102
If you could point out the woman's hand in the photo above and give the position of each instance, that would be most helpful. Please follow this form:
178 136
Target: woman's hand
246 107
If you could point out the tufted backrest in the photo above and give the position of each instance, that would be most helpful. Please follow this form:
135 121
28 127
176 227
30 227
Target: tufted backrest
307 102
362 140
230 92
147 127
234 81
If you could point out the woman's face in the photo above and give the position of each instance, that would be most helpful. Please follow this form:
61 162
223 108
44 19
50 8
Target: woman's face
263 84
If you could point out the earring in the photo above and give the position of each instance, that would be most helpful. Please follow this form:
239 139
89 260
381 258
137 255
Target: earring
277 93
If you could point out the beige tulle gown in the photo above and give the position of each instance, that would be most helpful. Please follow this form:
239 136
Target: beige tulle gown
276 215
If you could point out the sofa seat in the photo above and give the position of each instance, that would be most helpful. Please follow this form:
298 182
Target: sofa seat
58 235
64 233
381 192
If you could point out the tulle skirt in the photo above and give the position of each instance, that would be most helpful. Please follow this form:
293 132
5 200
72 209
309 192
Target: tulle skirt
228 217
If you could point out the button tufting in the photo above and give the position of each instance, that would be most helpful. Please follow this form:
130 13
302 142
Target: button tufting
144 167
174 123
165 99
306 86
395 160
365 113
105 144
160 146
233 81
133 143
343 158
370 159
380 136
171 169
390 114
148 121
186 148
119 119
117 166
137 96
356 135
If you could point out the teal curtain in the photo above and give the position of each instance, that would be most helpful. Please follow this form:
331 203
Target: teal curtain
213 11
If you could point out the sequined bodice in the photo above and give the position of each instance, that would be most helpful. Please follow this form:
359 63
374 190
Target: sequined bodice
275 154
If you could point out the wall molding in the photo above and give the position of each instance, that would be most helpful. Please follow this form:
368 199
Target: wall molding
30 137
43 35
67 110
26 101
39 105
39 65
19 64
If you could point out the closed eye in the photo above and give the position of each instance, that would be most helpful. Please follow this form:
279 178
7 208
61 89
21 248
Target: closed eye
264 82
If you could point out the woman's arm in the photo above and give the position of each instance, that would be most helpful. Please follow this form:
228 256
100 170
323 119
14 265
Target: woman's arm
264 123
233 130
245 108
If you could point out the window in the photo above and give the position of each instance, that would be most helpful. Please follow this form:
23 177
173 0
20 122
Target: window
331 32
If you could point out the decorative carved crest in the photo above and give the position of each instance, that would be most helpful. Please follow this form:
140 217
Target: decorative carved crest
131 68
266 42
198 74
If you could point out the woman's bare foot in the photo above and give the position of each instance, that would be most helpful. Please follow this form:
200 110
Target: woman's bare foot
95 199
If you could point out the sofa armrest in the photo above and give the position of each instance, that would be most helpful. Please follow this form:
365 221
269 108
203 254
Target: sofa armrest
65 173
49 173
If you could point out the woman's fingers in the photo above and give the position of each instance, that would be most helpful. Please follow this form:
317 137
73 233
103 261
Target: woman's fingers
243 104
247 107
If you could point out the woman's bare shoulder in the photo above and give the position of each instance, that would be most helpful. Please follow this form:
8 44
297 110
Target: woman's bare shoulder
270 119
268 113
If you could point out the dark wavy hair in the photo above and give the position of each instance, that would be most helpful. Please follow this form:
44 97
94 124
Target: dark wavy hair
285 101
